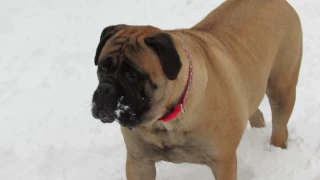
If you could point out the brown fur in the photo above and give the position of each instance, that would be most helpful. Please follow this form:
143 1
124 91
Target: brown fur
240 51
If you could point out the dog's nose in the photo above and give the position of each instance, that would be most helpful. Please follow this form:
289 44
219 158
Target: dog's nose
106 88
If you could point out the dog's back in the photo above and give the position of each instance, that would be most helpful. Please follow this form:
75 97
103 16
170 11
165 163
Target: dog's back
239 13
258 34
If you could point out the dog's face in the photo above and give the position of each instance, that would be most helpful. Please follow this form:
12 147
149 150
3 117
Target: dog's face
136 69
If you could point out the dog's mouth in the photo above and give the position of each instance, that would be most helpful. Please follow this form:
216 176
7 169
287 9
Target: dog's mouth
122 113
125 115
126 109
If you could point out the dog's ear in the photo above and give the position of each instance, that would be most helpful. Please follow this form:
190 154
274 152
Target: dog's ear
164 47
106 34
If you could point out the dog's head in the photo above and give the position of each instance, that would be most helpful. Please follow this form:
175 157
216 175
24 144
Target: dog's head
137 69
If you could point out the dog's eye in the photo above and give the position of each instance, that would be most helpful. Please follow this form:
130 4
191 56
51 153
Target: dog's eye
132 76
102 69
105 66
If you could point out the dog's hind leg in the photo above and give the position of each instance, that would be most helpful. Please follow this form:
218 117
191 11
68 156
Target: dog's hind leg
283 78
257 120
281 102
281 92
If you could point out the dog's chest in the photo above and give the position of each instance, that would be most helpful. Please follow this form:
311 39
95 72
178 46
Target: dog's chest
177 147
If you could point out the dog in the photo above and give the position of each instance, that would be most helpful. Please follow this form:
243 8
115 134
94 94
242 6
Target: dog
186 95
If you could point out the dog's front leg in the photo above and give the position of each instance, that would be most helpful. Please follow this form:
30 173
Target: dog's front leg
140 168
225 168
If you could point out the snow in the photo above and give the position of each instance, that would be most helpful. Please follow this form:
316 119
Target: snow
47 78
121 108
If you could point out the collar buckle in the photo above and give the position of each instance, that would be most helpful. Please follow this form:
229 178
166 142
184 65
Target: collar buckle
183 108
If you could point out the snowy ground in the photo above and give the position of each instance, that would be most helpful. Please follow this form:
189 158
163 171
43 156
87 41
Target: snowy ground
47 77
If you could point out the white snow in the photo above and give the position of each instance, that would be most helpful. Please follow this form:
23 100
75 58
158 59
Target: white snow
121 108
47 78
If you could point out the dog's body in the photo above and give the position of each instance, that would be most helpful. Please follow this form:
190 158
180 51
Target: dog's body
240 51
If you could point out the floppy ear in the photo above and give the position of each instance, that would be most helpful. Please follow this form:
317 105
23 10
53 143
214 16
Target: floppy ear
105 35
163 45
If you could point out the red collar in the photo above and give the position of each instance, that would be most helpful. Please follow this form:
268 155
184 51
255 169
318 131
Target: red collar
181 106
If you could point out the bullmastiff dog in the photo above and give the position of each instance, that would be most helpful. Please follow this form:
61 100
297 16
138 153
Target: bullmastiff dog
186 95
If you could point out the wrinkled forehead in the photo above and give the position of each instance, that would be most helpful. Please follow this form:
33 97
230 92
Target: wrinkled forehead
128 44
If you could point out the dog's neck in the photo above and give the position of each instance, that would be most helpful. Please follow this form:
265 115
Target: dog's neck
196 95
180 108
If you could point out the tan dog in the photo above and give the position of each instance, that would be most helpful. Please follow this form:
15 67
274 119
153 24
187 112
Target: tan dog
240 51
